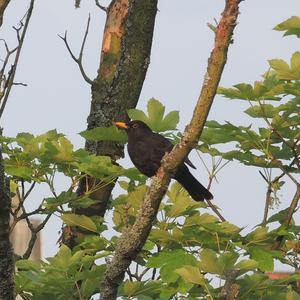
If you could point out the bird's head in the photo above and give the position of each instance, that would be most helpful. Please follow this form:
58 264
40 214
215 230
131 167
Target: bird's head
134 127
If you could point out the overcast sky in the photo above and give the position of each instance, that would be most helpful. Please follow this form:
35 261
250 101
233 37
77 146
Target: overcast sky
58 97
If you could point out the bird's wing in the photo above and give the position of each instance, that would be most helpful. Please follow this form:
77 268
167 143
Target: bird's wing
142 157
165 145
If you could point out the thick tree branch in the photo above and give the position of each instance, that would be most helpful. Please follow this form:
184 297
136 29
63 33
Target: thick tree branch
132 240
230 290
293 207
7 266
3 4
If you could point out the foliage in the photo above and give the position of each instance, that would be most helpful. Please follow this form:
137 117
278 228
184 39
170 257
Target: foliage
189 252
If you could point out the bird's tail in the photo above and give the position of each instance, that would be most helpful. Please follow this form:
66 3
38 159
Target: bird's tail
196 190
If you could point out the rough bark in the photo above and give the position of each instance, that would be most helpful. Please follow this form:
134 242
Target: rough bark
230 289
293 206
124 61
3 4
133 239
7 285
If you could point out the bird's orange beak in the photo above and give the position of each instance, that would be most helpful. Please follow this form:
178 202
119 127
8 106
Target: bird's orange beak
121 125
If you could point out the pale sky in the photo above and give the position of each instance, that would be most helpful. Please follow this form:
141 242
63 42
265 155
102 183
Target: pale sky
58 97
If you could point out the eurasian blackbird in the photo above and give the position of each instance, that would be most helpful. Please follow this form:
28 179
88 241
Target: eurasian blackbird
146 150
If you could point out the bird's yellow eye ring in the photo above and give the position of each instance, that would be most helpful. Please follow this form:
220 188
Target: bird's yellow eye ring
135 125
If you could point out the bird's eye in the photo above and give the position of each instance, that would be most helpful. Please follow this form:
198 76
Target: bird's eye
135 125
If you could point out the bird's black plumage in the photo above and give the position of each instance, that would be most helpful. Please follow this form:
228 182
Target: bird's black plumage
146 150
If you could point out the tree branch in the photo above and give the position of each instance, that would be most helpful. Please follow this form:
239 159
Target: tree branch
10 80
132 240
79 59
293 206
230 290
34 235
101 6
270 184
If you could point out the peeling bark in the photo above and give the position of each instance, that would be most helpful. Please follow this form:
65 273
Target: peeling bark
124 61
7 267
3 4
133 239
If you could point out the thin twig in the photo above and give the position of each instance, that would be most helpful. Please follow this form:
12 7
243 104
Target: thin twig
20 83
79 59
212 175
101 6
15 64
268 193
215 210
34 233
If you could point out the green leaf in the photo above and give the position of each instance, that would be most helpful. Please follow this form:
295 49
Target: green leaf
284 71
180 201
170 121
263 257
279 217
280 66
155 119
111 133
155 111
61 259
228 228
209 262
191 274
83 202
13 186
246 265
19 171
295 61
261 111
100 167
95 275
227 260
60 150
259 235
136 114
79 220
292 295
26 264
169 261
135 288
291 26
268 89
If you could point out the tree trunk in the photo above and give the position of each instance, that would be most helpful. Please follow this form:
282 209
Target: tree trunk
3 4
7 285
124 61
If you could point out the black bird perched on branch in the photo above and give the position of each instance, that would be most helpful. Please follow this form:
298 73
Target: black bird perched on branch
146 150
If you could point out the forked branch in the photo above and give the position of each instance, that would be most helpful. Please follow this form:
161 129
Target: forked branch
9 81
101 6
78 59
